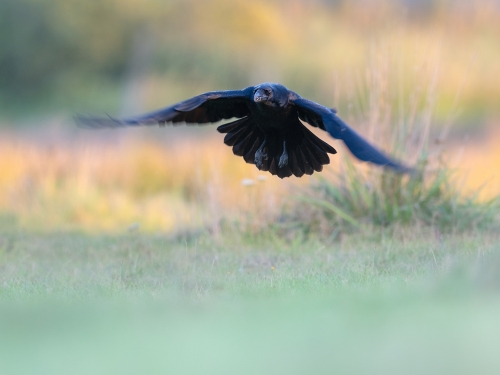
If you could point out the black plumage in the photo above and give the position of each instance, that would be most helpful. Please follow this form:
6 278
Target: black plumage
268 131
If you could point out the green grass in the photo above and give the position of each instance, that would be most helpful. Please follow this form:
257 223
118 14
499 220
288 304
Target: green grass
388 302
354 200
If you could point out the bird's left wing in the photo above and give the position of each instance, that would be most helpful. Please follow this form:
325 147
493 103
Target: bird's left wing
205 108
327 119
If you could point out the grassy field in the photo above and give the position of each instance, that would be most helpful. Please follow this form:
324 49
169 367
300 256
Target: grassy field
384 302
157 251
124 254
119 254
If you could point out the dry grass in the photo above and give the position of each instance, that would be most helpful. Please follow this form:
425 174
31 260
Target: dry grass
478 161
91 185
391 92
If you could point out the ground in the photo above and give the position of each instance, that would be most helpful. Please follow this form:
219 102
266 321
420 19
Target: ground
384 302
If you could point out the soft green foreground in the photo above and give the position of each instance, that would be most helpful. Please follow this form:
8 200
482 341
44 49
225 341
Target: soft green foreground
395 303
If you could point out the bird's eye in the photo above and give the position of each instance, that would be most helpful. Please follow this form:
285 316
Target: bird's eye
268 92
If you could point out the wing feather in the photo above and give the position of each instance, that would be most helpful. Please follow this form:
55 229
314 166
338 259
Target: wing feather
327 119
205 108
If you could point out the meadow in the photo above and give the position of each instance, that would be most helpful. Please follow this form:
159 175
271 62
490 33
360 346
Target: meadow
400 301
126 256
158 251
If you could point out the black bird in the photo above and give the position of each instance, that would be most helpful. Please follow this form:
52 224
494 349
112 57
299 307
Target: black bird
268 132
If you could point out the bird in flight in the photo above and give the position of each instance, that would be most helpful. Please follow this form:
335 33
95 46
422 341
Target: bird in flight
268 131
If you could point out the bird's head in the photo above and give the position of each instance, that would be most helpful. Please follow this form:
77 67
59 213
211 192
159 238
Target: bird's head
262 93
270 94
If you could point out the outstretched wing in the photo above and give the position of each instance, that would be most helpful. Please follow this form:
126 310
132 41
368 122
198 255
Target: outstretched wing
327 119
205 108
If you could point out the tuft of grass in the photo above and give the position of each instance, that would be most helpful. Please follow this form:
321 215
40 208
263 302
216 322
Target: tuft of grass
391 199
431 196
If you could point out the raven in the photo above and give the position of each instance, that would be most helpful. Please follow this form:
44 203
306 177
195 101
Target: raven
268 131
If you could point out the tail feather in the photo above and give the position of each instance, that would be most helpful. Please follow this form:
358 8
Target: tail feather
266 162
318 147
252 148
233 137
319 143
232 126
285 171
313 160
306 152
299 161
239 148
316 153
273 166
294 165
306 164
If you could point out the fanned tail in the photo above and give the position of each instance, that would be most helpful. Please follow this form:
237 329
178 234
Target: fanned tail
306 152
244 136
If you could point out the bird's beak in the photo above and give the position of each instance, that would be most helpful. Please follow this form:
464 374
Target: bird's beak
260 96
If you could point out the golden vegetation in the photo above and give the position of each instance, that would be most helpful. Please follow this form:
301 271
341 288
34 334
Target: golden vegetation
86 186
315 49
89 185
384 66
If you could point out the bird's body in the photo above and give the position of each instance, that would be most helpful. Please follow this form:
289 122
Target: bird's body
271 119
268 131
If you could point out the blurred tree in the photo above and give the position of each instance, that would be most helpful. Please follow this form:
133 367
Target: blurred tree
95 55
44 42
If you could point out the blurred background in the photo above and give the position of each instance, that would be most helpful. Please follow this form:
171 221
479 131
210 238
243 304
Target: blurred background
144 251
431 66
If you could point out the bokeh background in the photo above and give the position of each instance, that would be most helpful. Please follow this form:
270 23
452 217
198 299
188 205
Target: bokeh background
431 64
153 251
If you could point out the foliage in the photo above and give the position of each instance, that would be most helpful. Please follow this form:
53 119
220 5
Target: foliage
429 196
76 56
389 199
389 91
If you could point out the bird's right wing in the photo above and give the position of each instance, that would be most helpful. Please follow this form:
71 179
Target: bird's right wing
325 118
205 108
